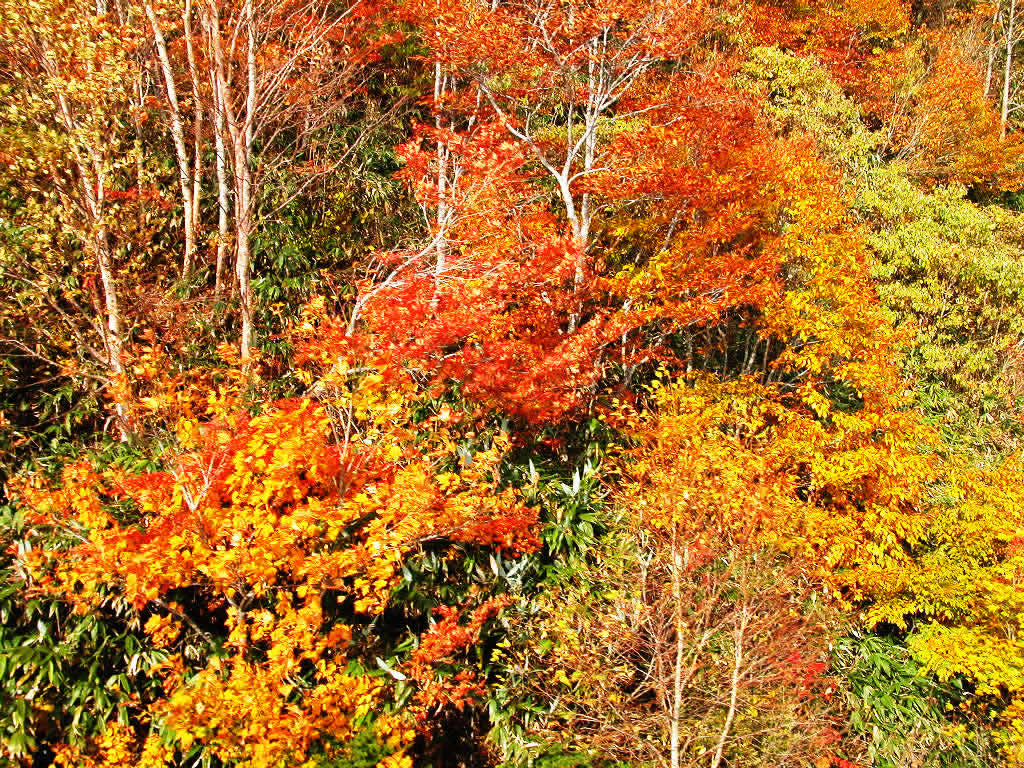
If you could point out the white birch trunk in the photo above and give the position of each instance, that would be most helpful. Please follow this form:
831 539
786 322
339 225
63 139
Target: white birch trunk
178 138
1005 112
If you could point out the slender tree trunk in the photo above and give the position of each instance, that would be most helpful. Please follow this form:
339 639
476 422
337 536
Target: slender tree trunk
140 170
737 667
222 190
112 311
580 243
243 176
250 71
679 563
243 239
178 139
443 156
92 179
197 122
112 325
581 220
991 52
240 128
1008 66
218 86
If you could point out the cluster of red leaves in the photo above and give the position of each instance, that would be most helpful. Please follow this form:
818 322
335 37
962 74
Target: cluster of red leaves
495 317
513 534
445 642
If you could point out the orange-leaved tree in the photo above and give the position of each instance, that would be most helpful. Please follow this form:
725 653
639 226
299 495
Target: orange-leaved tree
266 543
567 242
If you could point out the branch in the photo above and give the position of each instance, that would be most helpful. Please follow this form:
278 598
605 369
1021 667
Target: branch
188 620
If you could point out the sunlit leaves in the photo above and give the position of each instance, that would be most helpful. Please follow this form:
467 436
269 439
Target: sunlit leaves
260 521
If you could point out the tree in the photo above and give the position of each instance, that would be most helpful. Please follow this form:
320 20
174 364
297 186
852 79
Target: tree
653 144
281 72
70 79
255 556
967 144
190 168
712 499
950 269
560 78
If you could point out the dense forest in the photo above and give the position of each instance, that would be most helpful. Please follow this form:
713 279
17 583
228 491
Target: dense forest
478 383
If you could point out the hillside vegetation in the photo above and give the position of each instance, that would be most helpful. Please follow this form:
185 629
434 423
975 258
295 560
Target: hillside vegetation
481 383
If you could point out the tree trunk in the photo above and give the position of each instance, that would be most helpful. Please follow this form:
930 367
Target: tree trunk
197 122
443 213
991 52
222 190
112 326
112 313
679 563
240 128
243 232
734 687
1005 113
178 138
92 181
243 194
218 85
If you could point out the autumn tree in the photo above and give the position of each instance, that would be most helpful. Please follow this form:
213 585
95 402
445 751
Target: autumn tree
735 514
266 563
648 146
188 154
70 78
561 81
281 72
967 145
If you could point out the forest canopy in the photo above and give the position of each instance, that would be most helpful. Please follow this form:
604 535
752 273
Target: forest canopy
511 383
